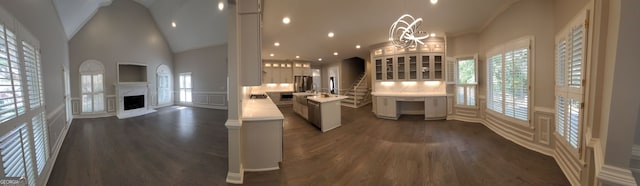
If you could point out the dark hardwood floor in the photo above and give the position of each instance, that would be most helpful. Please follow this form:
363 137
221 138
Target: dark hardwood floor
189 147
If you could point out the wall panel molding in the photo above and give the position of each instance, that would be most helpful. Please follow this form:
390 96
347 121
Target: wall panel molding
616 176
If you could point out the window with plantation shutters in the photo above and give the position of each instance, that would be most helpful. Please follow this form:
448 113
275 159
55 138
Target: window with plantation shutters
508 79
465 79
23 131
92 86
570 61
185 87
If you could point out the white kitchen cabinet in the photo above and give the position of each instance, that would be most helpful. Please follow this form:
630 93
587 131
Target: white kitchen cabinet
250 41
386 107
301 69
424 62
435 107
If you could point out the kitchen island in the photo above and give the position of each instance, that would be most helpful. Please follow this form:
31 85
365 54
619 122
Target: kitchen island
321 110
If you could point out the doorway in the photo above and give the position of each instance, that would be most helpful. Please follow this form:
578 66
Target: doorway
67 96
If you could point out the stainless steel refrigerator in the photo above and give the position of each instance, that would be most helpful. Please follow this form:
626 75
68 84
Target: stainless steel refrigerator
302 83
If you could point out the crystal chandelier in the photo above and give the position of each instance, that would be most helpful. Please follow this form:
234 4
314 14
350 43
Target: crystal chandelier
404 32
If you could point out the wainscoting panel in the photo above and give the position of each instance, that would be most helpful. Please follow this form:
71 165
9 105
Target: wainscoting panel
449 104
75 106
544 121
214 100
111 103
218 100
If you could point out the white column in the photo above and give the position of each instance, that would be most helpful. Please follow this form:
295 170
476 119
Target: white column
235 173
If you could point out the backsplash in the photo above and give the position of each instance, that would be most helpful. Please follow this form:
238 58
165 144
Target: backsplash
411 86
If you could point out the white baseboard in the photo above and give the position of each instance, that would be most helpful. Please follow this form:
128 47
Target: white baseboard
235 178
203 106
54 156
101 115
616 176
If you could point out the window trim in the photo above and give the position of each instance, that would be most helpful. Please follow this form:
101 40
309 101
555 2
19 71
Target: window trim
456 60
500 49
566 90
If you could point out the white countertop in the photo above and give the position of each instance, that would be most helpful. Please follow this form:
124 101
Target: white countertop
260 109
408 94
303 93
326 99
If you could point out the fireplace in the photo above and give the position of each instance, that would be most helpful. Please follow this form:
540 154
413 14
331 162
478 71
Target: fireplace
132 99
133 102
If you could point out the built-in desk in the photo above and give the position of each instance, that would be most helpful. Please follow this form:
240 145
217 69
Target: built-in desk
389 105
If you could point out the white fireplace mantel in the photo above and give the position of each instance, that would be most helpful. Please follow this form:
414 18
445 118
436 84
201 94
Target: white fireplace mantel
132 89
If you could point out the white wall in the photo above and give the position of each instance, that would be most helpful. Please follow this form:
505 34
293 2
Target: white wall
462 45
123 32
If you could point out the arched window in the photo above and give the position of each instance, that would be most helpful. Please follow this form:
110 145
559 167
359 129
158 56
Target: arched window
164 85
92 86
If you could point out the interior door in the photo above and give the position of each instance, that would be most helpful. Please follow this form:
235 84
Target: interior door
67 95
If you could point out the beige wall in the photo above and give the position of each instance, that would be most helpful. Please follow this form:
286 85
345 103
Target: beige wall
462 45
41 19
526 17
208 67
328 70
565 10
123 32
625 102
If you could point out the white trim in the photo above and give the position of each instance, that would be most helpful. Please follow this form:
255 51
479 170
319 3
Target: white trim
465 119
99 115
545 109
598 155
616 175
261 170
56 151
201 106
235 178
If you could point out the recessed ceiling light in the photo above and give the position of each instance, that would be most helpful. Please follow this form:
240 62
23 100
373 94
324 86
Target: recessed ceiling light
330 34
335 53
434 1
358 46
319 59
286 20
173 24
297 57
271 54
433 35
276 44
221 6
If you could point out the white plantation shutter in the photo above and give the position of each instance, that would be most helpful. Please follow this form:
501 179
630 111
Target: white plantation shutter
471 95
460 95
12 44
16 154
41 141
7 102
570 60
92 86
560 119
185 87
575 65
494 82
508 79
31 68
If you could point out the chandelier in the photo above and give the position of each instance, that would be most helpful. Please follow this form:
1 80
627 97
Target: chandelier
404 32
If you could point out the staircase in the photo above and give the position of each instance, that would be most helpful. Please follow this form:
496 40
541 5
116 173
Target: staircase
359 95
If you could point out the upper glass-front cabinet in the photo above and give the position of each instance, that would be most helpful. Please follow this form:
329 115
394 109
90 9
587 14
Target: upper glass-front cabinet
426 62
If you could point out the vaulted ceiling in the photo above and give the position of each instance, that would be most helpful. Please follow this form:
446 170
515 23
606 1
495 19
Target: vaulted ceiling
199 23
